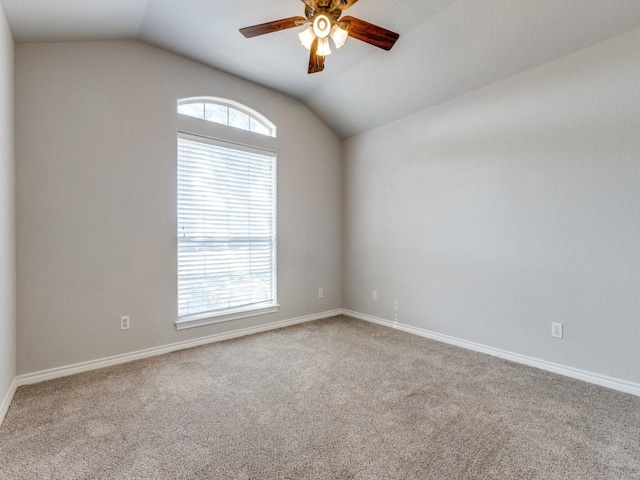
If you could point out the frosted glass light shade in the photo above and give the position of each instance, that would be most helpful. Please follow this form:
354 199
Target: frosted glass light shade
307 37
339 36
323 47
322 26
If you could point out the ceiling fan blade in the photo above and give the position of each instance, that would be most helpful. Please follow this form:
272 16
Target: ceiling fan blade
369 33
271 27
344 4
316 62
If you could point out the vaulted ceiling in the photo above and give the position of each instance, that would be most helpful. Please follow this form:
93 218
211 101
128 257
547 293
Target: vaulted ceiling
447 47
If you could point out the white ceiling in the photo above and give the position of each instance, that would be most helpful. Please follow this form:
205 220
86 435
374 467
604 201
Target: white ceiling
447 47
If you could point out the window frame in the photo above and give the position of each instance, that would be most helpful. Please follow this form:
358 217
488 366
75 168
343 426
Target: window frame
200 130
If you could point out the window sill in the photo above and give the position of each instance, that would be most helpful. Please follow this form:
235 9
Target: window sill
194 321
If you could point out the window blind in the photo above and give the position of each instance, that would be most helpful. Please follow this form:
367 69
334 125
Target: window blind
226 227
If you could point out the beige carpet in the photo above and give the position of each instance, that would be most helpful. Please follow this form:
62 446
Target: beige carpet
334 399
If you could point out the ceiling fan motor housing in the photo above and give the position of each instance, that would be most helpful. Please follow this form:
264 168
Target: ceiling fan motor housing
332 11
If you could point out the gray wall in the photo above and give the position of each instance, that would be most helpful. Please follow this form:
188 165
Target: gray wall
96 147
517 205
7 212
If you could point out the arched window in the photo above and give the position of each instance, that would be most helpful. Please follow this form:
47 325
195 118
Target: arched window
226 213
226 112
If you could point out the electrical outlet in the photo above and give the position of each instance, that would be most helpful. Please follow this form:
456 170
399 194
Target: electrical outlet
125 322
556 329
320 293
2 362
374 296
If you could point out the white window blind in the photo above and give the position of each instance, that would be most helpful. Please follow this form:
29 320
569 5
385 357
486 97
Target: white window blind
226 228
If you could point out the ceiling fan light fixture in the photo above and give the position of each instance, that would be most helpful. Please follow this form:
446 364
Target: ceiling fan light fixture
323 47
339 36
322 26
307 37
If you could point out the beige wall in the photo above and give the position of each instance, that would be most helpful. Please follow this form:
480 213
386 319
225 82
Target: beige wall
96 147
487 218
494 214
7 214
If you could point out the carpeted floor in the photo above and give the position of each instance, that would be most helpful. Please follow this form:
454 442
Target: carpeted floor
333 399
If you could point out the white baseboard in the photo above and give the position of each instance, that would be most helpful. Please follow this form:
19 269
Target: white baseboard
6 401
595 378
37 377
59 372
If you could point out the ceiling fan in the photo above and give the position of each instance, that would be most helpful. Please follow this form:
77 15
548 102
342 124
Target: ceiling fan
325 19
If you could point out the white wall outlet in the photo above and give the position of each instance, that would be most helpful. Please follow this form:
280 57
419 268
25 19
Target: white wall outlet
125 322
2 362
556 329
320 293
374 296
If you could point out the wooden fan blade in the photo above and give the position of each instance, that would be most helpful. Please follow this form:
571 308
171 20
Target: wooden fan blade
271 27
316 62
370 33
343 4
